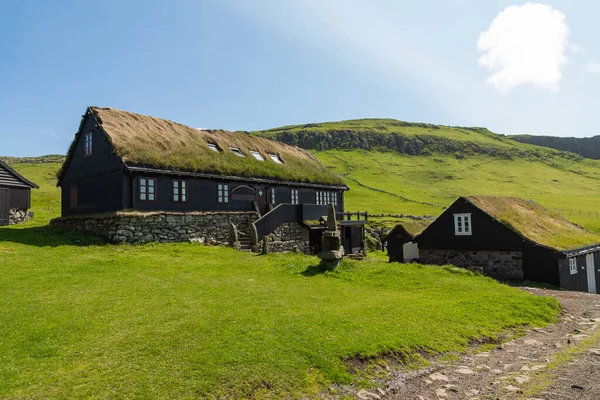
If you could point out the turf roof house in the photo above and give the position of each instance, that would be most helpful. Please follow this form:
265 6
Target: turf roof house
513 239
15 196
125 161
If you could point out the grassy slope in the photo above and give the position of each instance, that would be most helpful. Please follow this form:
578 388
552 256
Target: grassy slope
389 126
82 319
425 185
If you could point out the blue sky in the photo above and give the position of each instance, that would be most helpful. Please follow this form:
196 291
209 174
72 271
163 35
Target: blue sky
238 64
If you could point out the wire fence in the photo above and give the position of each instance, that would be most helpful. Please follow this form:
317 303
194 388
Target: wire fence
576 213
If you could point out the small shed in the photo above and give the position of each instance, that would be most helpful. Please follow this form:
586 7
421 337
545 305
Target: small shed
15 196
513 239
398 237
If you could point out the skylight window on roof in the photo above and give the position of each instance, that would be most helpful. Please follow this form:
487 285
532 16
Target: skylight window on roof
276 158
213 147
237 152
257 155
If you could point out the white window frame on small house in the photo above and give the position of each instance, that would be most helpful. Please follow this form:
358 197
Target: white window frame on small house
88 144
146 189
213 147
179 191
295 197
237 152
573 265
222 193
273 196
275 158
462 224
257 155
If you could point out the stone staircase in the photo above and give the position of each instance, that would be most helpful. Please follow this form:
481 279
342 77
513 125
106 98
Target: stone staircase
244 239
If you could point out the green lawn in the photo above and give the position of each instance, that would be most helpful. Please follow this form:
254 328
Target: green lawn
81 319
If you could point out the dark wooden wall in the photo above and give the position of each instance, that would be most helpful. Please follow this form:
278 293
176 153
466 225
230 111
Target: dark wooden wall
540 264
96 194
202 194
488 234
578 281
102 160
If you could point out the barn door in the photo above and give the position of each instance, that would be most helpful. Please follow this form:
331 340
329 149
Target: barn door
3 207
591 273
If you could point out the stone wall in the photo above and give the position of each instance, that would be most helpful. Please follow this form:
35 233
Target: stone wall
502 265
18 216
289 236
136 227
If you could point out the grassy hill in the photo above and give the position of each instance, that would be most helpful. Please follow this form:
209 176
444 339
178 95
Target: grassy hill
395 167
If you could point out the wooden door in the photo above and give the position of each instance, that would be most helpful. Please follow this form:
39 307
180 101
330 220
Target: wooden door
591 273
261 199
3 207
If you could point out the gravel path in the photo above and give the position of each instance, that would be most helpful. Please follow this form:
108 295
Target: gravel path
539 359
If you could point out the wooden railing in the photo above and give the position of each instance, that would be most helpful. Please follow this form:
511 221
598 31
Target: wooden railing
347 216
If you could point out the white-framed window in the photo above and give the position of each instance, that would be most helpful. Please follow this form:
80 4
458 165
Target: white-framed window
179 192
257 155
147 189
334 197
87 144
213 147
273 196
237 152
573 265
276 158
462 224
222 193
294 193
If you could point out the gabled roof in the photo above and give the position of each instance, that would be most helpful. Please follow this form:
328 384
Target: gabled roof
145 141
534 222
24 181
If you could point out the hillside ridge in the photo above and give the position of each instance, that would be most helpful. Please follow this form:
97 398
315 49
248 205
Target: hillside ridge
411 138
588 147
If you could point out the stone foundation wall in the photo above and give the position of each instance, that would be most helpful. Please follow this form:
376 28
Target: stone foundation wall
502 265
18 216
289 237
136 227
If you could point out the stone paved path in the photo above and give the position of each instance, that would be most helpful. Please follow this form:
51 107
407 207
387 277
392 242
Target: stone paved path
510 370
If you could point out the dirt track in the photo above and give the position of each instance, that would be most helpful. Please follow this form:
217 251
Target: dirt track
561 361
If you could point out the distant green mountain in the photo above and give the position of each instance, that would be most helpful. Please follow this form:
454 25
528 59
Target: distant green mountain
406 138
50 158
585 147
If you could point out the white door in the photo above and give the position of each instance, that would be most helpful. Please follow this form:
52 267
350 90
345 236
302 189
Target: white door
591 273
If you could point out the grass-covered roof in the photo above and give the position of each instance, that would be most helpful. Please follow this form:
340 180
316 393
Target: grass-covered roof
155 142
535 222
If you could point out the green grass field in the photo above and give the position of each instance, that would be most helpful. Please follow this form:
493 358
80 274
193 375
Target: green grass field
389 182
86 320
83 319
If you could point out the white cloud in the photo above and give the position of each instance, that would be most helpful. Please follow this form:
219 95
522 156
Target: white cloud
576 48
593 67
525 45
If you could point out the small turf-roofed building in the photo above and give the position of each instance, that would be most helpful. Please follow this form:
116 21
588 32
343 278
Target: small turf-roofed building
513 239
119 161
15 196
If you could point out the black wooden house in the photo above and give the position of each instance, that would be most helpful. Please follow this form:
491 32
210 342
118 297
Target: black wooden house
124 161
513 239
15 195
